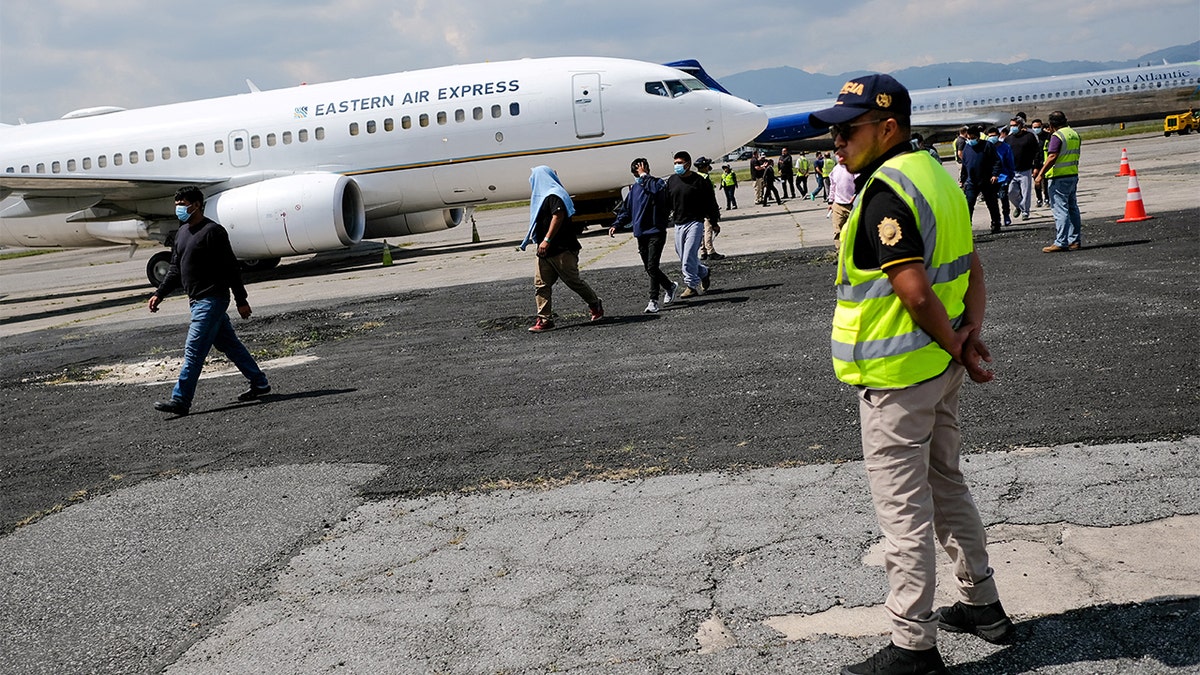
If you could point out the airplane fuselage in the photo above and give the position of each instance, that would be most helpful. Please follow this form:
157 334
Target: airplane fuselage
374 157
1125 95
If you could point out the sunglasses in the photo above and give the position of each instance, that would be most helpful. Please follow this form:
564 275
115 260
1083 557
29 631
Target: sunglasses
845 130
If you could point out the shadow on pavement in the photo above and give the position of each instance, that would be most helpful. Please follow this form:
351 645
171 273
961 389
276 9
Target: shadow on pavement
269 398
1150 630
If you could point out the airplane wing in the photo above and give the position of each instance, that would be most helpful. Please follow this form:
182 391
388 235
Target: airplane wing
114 188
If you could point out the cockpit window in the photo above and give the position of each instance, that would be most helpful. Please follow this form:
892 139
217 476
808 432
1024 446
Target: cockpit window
677 88
657 89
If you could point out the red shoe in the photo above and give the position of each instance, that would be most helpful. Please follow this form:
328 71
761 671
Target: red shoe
541 325
597 310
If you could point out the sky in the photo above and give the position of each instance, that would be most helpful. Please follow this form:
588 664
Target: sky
61 55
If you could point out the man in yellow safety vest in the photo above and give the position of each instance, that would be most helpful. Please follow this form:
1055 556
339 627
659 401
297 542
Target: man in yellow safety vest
906 330
1062 169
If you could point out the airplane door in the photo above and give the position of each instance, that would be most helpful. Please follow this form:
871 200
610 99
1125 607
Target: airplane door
239 148
458 183
589 120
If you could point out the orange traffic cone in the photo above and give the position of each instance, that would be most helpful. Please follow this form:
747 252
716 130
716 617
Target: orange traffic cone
1135 210
1124 163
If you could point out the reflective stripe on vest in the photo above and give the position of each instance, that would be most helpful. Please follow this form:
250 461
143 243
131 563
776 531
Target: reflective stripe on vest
875 341
1067 163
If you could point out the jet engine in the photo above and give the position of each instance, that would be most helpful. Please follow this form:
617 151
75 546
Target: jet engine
285 216
415 223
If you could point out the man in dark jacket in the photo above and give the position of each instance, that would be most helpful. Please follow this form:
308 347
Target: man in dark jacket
980 174
1026 154
203 264
692 200
648 210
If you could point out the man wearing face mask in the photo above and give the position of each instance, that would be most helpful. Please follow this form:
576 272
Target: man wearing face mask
1007 169
1043 139
979 175
1025 149
692 200
203 264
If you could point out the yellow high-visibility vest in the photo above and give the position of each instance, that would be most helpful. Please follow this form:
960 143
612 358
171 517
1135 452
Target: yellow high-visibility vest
875 342
1067 163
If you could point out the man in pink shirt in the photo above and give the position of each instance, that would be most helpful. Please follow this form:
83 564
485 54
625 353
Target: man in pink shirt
841 198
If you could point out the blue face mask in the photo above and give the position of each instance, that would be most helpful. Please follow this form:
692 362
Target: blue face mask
679 169
1013 130
1037 131
972 141
181 212
993 139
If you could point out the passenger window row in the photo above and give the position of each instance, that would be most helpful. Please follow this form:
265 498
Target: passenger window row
1059 94
440 118
256 141
165 153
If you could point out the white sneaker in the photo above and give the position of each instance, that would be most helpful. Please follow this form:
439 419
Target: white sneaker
671 294
651 307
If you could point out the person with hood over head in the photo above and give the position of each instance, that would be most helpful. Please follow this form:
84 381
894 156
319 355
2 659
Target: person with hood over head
550 227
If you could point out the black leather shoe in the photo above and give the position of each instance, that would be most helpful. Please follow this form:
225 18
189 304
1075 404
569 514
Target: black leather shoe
986 621
254 392
173 406
893 660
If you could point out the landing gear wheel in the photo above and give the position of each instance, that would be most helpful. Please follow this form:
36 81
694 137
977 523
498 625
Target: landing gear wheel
157 267
258 264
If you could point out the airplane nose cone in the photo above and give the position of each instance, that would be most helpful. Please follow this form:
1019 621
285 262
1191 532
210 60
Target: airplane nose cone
741 121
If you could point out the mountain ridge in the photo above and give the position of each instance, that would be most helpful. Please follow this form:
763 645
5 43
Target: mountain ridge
785 84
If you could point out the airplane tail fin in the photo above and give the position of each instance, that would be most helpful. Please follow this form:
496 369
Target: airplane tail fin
692 67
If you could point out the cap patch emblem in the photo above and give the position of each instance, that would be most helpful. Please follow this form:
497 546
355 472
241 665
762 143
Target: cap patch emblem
883 101
889 232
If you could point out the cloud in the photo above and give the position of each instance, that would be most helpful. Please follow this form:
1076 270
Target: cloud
59 55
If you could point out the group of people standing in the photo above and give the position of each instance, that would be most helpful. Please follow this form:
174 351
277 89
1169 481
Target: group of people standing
792 175
1011 164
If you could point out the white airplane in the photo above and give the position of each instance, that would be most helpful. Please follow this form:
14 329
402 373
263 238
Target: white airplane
1104 97
321 167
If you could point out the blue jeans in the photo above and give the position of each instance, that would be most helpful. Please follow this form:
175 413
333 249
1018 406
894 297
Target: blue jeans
210 328
1064 205
688 237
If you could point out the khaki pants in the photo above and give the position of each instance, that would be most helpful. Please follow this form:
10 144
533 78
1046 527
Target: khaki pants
910 448
841 213
706 246
565 266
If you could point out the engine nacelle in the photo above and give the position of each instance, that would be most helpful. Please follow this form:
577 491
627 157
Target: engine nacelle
415 223
285 216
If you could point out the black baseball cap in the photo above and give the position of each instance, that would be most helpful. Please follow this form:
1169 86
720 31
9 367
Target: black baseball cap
862 94
703 161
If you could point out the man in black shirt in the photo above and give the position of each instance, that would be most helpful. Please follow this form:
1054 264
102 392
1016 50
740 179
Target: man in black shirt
550 211
203 264
1026 152
905 332
692 200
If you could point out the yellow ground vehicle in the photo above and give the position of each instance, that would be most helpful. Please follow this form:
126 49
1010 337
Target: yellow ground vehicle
1184 124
